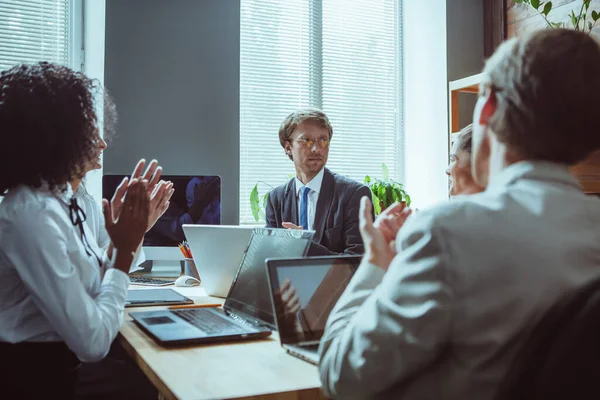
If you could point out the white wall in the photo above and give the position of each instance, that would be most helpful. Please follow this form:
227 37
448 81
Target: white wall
93 42
425 101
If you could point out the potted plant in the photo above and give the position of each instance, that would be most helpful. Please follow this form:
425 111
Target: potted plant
386 191
579 22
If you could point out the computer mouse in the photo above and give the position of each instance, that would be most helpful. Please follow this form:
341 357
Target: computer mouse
185 280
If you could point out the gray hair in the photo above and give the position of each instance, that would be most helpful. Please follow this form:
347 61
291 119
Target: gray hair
547 88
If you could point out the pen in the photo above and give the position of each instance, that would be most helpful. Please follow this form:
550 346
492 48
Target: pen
194 306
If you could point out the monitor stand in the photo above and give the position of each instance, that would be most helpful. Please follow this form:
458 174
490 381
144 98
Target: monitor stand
164 268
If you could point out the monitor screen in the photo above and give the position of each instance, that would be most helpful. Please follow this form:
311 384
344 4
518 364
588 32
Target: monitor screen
249 293
196 200
304 292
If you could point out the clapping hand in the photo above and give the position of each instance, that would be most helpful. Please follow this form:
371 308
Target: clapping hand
127 231
391 220
380 250
159 202
160 192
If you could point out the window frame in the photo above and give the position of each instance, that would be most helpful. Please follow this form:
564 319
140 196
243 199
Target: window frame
76 35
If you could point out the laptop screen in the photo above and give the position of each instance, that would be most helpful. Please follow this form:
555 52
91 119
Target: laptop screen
304 292
249 293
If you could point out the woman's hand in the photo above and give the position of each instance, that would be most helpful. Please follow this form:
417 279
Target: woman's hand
127 231
159 202
151 175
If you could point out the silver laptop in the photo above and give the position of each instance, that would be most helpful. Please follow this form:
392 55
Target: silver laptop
247 312
217 252
303 293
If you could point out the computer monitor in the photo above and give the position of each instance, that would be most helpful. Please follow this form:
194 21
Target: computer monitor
196 200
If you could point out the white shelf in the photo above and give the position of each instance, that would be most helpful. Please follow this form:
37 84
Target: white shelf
469 84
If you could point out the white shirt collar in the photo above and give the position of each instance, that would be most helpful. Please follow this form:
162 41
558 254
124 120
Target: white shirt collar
81 191
314 184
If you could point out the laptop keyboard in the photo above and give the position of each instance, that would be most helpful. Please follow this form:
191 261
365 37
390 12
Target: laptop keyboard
209 322
139 280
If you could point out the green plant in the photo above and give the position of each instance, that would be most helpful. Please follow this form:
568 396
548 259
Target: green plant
256 205
579 21
386 191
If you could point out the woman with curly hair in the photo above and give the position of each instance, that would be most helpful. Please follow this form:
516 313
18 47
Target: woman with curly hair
56 305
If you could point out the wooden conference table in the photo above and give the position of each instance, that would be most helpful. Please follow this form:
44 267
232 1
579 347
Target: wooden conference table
255 369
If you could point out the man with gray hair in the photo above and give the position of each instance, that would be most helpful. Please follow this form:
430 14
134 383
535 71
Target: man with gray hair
442 314
316 199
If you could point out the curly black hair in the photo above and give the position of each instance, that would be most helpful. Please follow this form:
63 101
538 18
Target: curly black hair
48 125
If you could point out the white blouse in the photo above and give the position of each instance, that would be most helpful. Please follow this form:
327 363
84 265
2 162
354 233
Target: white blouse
50 288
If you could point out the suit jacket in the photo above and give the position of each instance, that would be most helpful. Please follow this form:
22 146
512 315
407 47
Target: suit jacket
470 279
336 215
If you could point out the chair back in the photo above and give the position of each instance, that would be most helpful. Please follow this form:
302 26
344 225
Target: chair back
560 358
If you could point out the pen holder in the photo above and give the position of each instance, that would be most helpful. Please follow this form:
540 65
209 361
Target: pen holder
188 267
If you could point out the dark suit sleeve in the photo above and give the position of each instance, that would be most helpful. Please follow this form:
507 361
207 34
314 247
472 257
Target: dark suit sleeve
354 243
271 220
317 249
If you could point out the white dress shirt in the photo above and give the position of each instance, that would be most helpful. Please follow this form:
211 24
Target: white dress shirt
313 196
50 288
471 278
95 221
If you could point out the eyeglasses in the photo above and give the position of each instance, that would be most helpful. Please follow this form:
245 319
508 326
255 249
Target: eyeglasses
309 143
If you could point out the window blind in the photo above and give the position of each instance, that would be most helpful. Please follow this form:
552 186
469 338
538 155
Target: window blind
34 30
343 56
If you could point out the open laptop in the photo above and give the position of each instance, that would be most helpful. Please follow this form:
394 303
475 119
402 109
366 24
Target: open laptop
318 283
247 312
217 252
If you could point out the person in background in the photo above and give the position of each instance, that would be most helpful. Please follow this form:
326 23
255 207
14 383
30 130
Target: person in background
459 170
441 314
61 302
316 199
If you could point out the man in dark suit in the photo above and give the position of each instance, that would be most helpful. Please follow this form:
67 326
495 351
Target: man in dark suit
316 199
